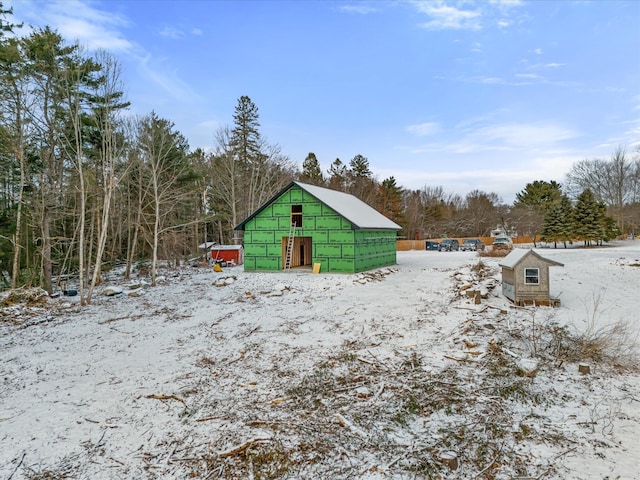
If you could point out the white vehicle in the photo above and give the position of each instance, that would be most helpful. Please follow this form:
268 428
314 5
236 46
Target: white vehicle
503 242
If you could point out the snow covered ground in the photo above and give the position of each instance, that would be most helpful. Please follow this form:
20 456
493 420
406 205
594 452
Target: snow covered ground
389 374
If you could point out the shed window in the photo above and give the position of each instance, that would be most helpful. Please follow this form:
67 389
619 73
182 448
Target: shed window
532 276
296 215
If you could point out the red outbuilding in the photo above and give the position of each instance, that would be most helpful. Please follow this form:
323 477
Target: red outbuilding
228 253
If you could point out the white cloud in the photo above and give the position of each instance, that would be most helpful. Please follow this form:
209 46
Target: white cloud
423 129
492 80
446 17
170 83
196 31
524 135
75 20
466 15
537 51
171 32
532 76
359 9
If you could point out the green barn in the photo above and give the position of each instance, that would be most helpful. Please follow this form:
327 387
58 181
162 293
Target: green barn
304 225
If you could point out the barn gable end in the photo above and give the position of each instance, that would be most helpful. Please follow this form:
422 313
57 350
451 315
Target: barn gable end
333 229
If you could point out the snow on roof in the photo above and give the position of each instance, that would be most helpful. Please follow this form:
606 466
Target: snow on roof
206 245
517 254
226 247
352 208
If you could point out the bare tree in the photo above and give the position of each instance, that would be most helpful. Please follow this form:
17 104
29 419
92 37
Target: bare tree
480 213
225 180
106 103
74 77
134 184
613 181
164 152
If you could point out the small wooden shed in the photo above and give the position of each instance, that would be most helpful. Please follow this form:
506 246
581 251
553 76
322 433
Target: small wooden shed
525 278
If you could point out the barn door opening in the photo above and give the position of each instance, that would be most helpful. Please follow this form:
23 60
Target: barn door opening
301 251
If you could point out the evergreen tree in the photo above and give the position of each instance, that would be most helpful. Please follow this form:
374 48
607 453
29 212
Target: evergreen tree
389 200
245 136
587 218
539 195
263 169
311 172
558 221
360 179
359 167
5 26
246 144
338 175
58 86
608 226
532 204
566 232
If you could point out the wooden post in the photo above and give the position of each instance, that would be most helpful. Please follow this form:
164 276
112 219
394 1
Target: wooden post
449 458
584 369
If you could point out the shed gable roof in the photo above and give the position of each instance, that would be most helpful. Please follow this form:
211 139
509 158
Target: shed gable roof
518 254
361 215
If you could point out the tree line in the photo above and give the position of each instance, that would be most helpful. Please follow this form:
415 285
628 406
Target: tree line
85 185
591 208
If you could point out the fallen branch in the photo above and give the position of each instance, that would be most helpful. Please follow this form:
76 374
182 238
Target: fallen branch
364 360
17 466
278 400
492 463
462 360
166 397
242 447
206 419
346 423
117 319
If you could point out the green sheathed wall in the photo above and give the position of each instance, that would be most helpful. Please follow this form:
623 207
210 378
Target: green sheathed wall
335 244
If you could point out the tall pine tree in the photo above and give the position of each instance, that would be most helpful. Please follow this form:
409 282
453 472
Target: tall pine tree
558 221
587 218
311 172
389 200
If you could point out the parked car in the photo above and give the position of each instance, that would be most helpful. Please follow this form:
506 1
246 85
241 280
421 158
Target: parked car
449 245
471 245
432 245
504 243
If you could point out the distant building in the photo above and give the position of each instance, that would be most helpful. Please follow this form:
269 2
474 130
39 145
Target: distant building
227 253
498 232
306 225
525 278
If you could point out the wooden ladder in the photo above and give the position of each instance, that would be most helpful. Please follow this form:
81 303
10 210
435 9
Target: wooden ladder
290 241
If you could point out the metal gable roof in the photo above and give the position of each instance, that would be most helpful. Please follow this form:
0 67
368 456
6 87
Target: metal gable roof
517 254
361 215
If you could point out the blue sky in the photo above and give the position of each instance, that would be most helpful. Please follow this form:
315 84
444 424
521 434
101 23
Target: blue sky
486 95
